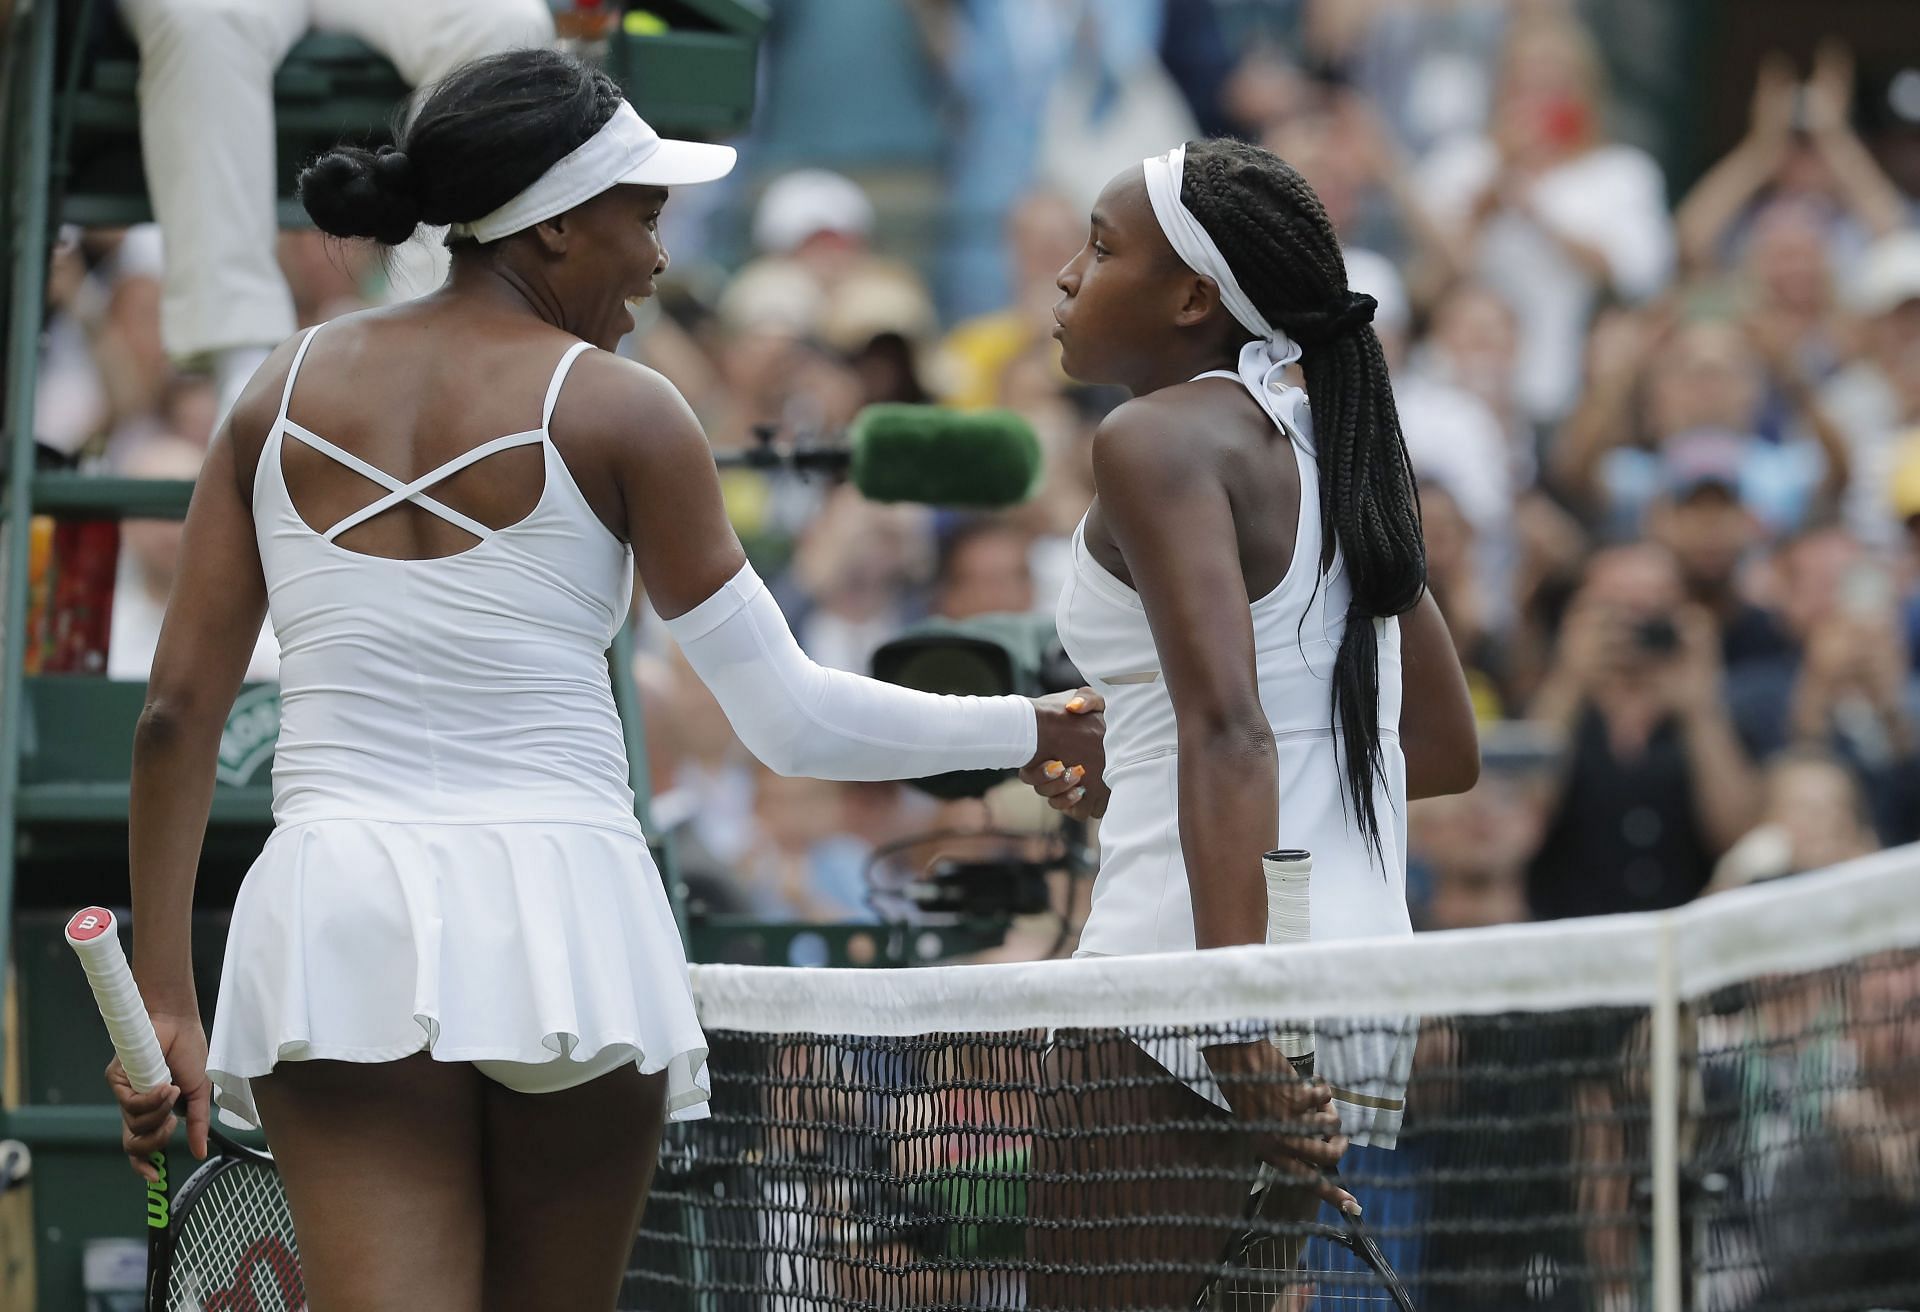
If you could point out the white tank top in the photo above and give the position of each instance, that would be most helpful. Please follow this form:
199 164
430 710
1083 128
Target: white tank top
468 687
1141 901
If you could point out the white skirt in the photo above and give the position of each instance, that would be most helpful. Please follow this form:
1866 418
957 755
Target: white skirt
523 941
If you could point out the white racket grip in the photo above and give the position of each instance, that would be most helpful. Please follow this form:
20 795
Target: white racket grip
1290 920
95 937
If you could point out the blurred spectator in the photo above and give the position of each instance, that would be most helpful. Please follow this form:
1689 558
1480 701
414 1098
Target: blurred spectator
1454 440
1473 853
1877 397
1473 343
1683 385
1655 784
1043 233
207 140
1847 685
1349 157
801 864
1112 100
1813 814
1453 577
149 555
1702 517
69 402
853 570
1799 145
1428 67
1545 210
983 570
820 219
1788 280
1554 388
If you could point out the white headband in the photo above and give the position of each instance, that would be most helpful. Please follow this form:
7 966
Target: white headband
624 150
1192 244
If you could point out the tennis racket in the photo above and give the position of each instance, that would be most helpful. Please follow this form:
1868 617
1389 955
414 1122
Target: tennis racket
221 1240
1310 1265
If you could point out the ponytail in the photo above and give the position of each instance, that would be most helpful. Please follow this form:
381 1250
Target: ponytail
1274 232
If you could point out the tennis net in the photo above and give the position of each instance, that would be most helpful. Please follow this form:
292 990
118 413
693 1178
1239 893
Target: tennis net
1715 1108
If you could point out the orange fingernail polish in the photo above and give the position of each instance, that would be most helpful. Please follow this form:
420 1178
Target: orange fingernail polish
1079 772
1077 704
1054 769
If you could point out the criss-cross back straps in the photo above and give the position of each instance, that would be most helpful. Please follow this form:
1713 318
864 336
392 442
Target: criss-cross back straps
415 490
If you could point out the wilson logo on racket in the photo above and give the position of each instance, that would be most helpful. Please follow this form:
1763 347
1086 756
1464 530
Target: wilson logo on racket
159 1210
279 1260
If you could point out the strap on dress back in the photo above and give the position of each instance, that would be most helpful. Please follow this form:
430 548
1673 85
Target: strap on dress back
415 491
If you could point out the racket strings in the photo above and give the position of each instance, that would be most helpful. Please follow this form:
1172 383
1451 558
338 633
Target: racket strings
234 1248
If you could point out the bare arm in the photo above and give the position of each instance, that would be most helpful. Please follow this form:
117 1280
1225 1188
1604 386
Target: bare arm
1869 192
213 619
1717 199
1725 787
797 716
1173 522
1437 731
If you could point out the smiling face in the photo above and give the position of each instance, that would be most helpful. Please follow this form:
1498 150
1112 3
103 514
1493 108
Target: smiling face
1124 291
608 260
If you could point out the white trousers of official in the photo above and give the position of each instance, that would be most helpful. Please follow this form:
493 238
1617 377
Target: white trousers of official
207 138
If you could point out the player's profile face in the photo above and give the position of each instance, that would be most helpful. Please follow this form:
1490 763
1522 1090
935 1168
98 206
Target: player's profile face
1114 288
617 253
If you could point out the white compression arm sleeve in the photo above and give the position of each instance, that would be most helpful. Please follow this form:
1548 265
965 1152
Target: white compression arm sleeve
804 719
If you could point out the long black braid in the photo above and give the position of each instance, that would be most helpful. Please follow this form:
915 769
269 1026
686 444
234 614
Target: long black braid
1276 236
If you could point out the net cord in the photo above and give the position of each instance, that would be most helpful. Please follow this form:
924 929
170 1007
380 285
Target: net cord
1796 925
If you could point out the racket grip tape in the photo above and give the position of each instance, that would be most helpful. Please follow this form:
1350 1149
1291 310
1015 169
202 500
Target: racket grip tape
95 938
1289 876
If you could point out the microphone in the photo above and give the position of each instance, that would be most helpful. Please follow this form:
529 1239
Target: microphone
965 459
973 459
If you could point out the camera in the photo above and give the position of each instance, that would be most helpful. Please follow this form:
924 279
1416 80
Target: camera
1657 636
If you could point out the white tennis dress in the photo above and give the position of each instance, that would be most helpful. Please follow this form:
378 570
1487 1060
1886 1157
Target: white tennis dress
455 866
1141 899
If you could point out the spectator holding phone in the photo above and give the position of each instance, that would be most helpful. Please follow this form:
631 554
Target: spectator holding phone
1655 783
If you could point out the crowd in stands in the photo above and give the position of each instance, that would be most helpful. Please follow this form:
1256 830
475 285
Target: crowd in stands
1667 437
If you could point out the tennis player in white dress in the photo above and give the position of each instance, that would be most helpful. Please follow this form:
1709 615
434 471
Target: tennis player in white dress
454 995
1248 594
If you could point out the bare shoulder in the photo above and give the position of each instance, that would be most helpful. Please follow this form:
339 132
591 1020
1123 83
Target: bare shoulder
1165 438
611 398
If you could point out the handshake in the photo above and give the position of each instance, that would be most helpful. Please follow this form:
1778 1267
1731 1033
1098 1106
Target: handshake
1068 770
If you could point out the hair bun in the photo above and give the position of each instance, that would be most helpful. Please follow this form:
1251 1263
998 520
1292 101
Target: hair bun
350 192
395 168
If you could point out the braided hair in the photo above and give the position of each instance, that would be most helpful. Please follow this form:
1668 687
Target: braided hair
1275 234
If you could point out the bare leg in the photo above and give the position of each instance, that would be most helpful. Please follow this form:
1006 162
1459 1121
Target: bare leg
382 1166
1158 1128
567 1175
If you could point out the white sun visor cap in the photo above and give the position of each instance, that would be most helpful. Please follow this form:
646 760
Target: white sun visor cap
625 151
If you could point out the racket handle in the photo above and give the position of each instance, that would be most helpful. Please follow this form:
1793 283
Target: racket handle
95 937
1290 920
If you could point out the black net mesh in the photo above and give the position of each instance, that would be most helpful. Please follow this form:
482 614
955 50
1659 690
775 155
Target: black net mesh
1803 1159
1765 1158
1090 1170
1083 1170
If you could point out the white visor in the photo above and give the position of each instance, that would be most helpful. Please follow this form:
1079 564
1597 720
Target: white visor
625 151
